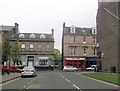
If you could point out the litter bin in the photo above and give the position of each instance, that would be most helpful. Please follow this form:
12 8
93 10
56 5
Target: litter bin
113 69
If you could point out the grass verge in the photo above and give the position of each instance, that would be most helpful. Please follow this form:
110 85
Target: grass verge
108 77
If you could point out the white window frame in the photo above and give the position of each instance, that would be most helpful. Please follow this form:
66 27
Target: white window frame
31 46
32 36
42 36
72 39
23 46
72 29
95 51
72 51
21 36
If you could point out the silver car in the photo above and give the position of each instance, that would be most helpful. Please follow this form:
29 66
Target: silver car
28 71
69 68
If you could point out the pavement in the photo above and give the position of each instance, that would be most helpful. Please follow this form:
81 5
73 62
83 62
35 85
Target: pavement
9 77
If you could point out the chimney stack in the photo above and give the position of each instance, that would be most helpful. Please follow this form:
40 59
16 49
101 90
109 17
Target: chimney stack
64 25
52 32
16 28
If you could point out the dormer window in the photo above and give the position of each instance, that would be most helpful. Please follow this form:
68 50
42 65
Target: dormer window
42 36
72 29
83 31
94 30
32 36
21 36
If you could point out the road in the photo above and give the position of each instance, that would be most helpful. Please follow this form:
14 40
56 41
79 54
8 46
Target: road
57 80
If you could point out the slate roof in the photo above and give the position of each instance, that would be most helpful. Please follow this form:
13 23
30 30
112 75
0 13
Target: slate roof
6 28
48 37
78 31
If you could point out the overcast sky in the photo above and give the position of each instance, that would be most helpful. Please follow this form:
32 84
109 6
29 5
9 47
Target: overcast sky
40 16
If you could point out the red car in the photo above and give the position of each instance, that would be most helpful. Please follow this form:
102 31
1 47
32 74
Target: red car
12 68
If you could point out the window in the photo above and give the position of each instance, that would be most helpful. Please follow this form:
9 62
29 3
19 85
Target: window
21 36
22 46
94 39
72 39
93 30
84 39
84 50
42 36
31 46
32 36
47 48
95 52
39 47
72 29
72 51
83 31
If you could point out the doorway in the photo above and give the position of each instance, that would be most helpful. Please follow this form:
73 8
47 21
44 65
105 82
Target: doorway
30 61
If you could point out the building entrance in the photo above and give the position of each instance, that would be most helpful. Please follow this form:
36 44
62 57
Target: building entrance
30 61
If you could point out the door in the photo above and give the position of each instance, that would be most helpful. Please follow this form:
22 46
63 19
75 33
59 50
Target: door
30 61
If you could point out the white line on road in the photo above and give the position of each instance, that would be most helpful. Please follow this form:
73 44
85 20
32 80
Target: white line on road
24 86
76 87
63 77
67 80
28 83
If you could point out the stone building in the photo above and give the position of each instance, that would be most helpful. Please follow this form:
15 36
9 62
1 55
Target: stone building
37 49
79 42
108 28
6 32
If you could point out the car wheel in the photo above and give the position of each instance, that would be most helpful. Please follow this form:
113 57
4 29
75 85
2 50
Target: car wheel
22 76
74 70
65 70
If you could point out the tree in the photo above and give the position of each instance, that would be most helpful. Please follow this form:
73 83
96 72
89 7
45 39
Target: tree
57 55
16 54
6 50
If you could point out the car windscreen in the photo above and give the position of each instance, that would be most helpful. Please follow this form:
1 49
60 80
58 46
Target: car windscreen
28 68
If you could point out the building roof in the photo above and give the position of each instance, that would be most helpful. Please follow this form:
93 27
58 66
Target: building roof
6 28
48 37
78 31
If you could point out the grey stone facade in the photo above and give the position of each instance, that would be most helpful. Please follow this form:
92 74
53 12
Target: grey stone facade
37 49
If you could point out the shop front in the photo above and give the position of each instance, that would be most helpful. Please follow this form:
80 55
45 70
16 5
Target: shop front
79 63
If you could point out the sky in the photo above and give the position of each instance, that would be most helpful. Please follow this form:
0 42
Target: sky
40 16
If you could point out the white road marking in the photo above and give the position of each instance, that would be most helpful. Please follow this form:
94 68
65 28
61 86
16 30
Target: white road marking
63 77
24 86
28 83
67 80
76 86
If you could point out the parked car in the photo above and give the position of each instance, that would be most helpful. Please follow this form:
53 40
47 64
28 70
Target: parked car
69 68
28 71
92 68
12 68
